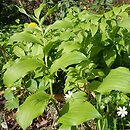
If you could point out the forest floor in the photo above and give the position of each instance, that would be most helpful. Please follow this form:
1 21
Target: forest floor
46 121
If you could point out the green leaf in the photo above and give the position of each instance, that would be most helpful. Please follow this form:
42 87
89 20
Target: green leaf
64 127
116 10
68 46
37 50
33 107
103 25
50 45
11 101
23 11
50 11
31 85
94 29
124 7
108 14
60 24
77 111
67 59
109 56
66 35
118 79
26 37
125 24
20 69
37 11
19 51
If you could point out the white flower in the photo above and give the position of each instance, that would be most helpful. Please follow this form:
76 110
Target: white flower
122 111
128 56
69 95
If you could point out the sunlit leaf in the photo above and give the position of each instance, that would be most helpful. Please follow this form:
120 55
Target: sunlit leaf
18 51
33 107
60 24
20 69
118 79
37 11
26 37
125 24
67 59
68 46
64 127
93 29
116 10
77 110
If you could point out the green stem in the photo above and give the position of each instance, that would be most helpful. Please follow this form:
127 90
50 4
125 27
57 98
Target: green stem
115 121
51 91
99 125
52 98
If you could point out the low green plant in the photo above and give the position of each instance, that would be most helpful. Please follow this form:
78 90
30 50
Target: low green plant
91 50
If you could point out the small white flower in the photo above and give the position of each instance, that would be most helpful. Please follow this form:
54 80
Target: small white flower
128 56
69 95
122 111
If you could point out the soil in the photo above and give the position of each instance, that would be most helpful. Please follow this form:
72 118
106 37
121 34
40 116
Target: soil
47 121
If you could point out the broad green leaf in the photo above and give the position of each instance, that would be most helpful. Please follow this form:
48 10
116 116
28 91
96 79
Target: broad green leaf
125 23
109 56
60 24
20 69
33 107
18 51
66 35
37 50
37 11
68 46
67 59
118 79
77 111
26 37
